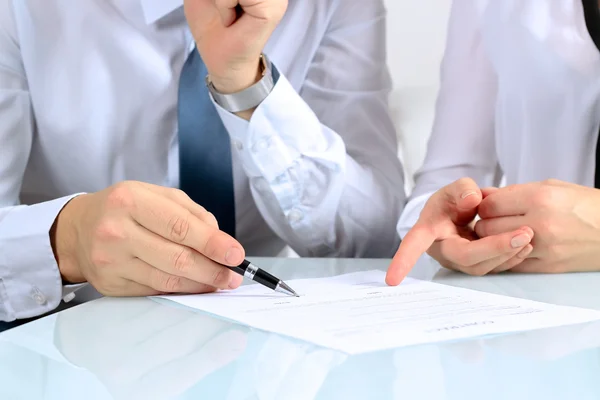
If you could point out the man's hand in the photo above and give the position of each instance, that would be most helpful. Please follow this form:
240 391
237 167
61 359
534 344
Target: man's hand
565 218
231 35
445 231
136 239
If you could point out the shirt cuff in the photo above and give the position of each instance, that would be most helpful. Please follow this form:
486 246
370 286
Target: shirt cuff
269 144
30 281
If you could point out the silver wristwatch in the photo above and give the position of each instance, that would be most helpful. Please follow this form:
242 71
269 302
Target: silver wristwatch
247 98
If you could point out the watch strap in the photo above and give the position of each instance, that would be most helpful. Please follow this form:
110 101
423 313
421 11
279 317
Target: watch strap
248 98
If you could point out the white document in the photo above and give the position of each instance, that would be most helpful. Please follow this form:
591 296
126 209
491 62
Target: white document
358 313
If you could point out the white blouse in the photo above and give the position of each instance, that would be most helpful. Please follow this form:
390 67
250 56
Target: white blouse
519 98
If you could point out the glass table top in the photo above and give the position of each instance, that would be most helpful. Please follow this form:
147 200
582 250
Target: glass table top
140 348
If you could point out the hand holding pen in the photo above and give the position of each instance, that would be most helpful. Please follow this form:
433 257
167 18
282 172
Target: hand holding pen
252 272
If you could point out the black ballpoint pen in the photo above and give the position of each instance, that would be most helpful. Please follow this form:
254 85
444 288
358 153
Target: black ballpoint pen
251 271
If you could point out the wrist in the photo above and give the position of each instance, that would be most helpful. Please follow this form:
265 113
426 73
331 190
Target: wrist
239 78
244 102
63 238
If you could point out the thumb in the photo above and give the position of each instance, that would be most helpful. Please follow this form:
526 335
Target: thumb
459 201
416 242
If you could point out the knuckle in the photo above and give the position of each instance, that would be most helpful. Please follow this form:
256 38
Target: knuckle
121 196
211 220
179 227
109 230
172 284
551 182
183 260
545 196
179 194
166 283
201 208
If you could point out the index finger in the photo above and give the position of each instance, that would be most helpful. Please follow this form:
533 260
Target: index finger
507 201
416 242
485 192
175 223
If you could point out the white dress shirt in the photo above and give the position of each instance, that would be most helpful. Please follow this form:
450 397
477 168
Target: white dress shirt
519 99
88 98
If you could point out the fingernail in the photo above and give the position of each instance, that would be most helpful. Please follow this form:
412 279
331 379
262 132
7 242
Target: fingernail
234 256
467 194
520 240
236 281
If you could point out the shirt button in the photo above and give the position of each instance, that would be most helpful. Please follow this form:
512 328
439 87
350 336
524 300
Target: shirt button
69 297
262 145
38 296
295 215
238 145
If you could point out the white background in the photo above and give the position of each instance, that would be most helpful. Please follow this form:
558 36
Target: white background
416 41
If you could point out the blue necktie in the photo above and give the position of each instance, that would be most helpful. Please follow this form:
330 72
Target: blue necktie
205 168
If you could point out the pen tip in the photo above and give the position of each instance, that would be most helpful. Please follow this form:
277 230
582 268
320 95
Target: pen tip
283 288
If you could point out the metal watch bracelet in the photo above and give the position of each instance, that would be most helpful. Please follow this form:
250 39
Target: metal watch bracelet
248 98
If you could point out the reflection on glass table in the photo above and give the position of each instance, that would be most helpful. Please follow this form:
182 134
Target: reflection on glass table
143 349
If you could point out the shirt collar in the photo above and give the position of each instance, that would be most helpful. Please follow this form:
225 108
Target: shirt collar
157 9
